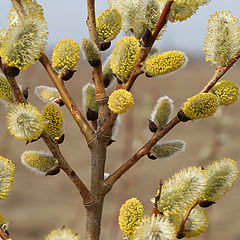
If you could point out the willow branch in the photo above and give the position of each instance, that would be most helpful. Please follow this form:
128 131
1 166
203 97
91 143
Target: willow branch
182 225
3 235
137 70
53 146
141 152
77 115
91 22
75 112
220 71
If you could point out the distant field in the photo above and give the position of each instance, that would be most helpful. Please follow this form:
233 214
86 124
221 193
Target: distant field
37 204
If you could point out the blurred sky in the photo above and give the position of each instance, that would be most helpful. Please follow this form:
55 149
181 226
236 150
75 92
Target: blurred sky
66 19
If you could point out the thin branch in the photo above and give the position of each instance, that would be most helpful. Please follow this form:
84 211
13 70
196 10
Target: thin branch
182 225
77 115
141 152
91 22
3 235
53 147
107 126
155 210
220 71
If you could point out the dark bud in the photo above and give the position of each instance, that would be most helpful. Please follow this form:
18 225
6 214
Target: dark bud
151 156
95 63
131 30
146 38
180 235
61 139
110 142
66 75
152 126
25 92
182 117
92 115
147 75
33 140
205 203
119 81
106 80
55 171
59 102
105 45
10 71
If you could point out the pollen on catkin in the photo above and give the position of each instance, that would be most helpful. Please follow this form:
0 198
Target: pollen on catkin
192 2
6 92
47 94
201 105
222 40
162 111
7 176
2 220
128 9
120 101
197 223
66 55
24 122
164 63
53 120
24 43
130 217
124 57
155 228
39 162
63 234
182 190
167 149
221 176
108 24
30 8
226 91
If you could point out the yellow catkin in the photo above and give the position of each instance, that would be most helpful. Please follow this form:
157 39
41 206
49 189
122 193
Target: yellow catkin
120 101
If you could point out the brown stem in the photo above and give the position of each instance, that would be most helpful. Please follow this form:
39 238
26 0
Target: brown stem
182 225
141 152
3 235
18 6
155 210
137 70
91 22
77 115
53 147
220 71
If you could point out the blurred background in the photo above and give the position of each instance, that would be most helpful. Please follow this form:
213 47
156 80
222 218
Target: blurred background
37 204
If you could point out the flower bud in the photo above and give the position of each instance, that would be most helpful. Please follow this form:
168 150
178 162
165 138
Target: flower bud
25 122
164 63
7 176
226 91
66 55
162 112
10 71
221 176
107 72
39 162
222 38
89 100
130 217
53 121
120 101
108 24
91 52
201 105
24 43
63 233
167 149
67 74
124 57
47 94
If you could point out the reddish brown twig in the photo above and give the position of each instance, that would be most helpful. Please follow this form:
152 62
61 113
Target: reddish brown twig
182 225
155 210
3 235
